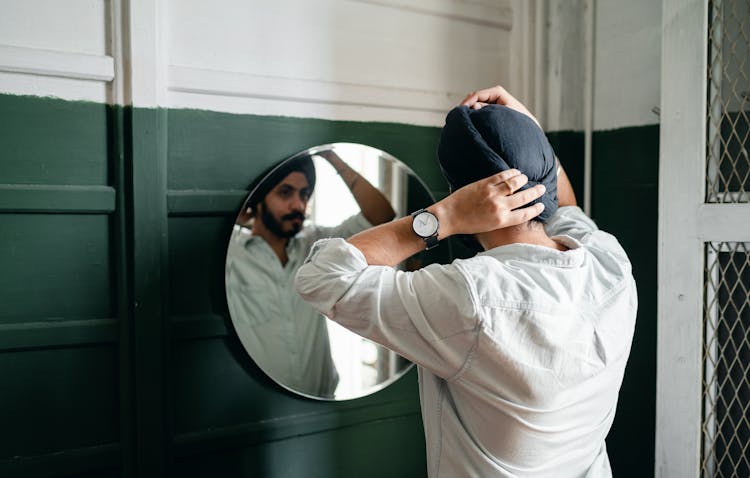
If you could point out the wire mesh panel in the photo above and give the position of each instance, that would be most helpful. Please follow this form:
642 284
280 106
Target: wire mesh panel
726 357
728 163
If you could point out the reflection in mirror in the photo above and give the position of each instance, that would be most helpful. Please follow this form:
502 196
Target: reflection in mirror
333 190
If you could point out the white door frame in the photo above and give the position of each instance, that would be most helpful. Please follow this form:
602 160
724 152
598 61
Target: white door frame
686 223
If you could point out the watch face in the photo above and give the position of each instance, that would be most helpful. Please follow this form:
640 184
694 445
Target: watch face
425 224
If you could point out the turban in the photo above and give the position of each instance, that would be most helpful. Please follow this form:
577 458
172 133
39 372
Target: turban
266 181
476 144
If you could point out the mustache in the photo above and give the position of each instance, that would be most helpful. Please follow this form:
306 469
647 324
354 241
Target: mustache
293 215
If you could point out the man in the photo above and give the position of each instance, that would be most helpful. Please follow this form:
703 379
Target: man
522 348
288 338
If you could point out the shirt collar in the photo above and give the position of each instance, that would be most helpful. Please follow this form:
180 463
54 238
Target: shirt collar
293 247
573 257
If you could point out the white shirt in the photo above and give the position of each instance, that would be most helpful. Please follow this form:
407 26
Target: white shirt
286 337
521 349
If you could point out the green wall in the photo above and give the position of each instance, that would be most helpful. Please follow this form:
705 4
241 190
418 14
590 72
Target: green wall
116 351
624 197
624 200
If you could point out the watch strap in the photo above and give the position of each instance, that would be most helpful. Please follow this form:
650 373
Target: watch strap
430 242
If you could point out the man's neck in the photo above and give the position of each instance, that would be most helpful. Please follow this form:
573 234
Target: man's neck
278 244
522 234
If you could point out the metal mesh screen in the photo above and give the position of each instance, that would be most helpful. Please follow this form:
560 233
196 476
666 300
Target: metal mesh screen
726 358
728 163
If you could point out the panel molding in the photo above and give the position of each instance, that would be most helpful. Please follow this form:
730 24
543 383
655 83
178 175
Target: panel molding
56 333
186 79
203 202
206 326
477 13
63 462
220 438
61 64
723 222
38 198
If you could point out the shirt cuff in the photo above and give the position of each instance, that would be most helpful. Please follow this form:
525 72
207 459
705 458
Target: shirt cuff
335 253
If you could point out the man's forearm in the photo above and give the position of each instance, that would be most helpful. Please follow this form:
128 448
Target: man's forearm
373 203
565 194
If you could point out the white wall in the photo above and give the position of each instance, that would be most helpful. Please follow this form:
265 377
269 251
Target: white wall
627 76
564 66
48 47
383 60
371 60
626 61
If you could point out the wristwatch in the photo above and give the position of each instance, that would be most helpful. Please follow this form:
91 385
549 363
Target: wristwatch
425 225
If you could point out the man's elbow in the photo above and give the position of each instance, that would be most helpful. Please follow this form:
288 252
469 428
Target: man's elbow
304 282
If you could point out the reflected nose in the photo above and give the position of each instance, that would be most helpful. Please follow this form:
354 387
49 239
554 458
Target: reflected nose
298 204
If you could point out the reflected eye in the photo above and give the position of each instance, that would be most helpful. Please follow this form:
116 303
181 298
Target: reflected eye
285 192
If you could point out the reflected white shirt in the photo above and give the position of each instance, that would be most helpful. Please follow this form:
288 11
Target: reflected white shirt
521 349
288 338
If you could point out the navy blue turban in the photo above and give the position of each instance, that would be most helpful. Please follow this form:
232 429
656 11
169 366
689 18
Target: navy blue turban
268 180
476 144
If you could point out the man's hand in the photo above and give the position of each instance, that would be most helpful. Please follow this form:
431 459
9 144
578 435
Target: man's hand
496 95
488 204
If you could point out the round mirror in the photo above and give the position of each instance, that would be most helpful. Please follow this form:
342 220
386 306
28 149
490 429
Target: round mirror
333 190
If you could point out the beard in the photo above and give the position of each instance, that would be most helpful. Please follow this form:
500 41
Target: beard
276 227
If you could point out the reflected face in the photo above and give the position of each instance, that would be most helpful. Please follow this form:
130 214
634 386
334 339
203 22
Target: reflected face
283 209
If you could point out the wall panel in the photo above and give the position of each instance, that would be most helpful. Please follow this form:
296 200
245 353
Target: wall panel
211 151
57 48
196 264
36 24
60 318
69 252
222 392
338 59
53 142
73 406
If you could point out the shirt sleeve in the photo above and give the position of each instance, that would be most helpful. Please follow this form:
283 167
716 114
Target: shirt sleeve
349 227
570 221
426 316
